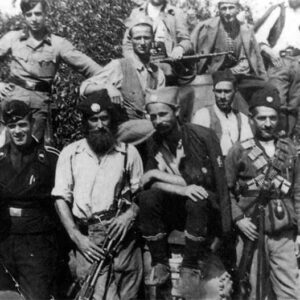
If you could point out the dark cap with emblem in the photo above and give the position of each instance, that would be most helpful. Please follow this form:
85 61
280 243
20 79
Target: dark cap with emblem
267 96
225 75
95 103
14 111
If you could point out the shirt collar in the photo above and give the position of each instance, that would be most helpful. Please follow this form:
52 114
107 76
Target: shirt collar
46 39
140 66
83 146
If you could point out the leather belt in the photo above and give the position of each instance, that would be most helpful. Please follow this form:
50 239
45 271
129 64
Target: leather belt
25 212
32 86
105 215
255 193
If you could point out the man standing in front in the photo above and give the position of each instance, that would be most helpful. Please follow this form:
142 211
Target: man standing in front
229 125
28 247
92 177
183 184
36 56
267 162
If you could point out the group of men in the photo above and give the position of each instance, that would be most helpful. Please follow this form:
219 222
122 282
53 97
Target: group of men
140 171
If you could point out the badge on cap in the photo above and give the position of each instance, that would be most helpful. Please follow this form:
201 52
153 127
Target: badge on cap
269 99
204 170
95 107
153 98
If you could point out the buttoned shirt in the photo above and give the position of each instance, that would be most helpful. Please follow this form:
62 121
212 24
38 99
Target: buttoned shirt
229 125
290 35
39 62
112 75
90 184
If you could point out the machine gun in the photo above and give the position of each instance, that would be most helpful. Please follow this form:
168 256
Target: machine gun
258 218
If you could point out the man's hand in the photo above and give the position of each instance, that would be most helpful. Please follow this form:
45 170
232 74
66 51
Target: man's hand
195 192
5 89
115 95
88 248
248 228
272 56
177 52
147 178
119 227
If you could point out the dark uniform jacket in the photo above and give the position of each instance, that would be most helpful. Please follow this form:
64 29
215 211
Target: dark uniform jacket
201 165
241 171
27 187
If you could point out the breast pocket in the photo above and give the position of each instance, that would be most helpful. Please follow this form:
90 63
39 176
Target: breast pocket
45 63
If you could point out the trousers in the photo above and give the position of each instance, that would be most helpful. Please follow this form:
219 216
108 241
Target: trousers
120 280
282 269
31 260
162 212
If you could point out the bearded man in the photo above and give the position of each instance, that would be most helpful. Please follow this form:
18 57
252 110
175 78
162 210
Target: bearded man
91 175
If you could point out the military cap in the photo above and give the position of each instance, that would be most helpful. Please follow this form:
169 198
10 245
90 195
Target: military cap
167 95
267 96
95 103
15 110
139 20
225 75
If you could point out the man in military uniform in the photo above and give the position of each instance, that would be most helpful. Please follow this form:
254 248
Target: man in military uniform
229 124
184 183
28 249
92 176
265 169
127 79
36 56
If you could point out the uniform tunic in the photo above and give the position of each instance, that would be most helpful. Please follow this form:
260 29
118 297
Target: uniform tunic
279 248
28 245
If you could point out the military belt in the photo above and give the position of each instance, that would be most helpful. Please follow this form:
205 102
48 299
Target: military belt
100 217
255 193
41 86
25 212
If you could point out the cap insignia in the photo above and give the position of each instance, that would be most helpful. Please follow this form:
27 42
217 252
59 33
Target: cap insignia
270 99
95 107
153 98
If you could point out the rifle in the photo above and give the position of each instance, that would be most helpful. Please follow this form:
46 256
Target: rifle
191 58
48 133
258 218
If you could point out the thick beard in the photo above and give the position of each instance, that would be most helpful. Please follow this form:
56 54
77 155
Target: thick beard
100 141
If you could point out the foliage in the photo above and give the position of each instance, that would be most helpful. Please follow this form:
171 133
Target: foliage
96 28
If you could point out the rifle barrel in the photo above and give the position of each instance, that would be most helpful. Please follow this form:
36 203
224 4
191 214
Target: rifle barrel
195 57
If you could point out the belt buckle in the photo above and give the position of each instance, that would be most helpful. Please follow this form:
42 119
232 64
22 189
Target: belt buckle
15 212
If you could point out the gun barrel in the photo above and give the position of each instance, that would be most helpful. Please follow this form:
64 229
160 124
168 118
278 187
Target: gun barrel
194 58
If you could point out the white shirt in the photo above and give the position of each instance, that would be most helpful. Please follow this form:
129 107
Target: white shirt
290 35
229 125
269 147
89 184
